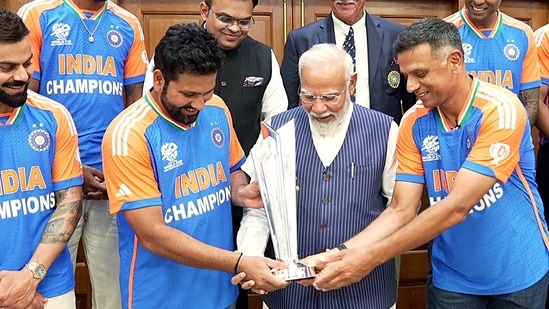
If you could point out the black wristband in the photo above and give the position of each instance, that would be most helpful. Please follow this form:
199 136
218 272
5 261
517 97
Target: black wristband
237 261
341 247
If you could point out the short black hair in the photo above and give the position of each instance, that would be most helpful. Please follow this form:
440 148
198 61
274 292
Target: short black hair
434 31
209 2
12 27
187 48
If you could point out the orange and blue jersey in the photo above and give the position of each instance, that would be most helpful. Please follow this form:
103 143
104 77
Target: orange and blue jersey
39 151
501 246
151 160
87 77
542 43
504 55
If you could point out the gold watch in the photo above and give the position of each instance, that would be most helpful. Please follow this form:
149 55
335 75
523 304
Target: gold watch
38 270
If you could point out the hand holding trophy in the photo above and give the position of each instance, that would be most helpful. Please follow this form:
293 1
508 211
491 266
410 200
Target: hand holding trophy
274 163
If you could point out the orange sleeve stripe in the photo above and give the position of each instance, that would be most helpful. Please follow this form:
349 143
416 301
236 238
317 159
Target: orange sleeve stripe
454 19
408 153
534 206
59 111
542 42
137 61
67 163
504 122
132 272
126 159
30 13
236 152
530 69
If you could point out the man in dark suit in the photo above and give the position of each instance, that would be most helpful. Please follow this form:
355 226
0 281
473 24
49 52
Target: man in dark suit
380 84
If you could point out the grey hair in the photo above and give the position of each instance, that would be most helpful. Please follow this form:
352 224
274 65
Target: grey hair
442 36
325 54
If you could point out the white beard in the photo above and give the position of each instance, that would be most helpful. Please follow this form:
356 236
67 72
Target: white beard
329 128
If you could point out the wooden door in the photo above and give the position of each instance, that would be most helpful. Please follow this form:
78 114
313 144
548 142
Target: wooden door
274 19
401 11
157 15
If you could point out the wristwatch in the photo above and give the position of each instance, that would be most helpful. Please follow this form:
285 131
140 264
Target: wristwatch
38 270
341 247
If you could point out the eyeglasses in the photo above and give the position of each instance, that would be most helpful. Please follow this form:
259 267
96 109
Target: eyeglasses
329 98
243 24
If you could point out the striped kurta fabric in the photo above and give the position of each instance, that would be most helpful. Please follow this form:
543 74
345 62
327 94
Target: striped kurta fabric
335 203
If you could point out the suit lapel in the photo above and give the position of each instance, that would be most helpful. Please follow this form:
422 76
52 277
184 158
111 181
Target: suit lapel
326 33
375 37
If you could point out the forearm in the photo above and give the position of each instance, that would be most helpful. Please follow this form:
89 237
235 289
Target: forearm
60 227
530 100
403 209
133 93
417 232
542 121
253 233
388 223
184 249
468 189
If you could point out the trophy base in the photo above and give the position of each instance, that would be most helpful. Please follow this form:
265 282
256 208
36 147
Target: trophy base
295 271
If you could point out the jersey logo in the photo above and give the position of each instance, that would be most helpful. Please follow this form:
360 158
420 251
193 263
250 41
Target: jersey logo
430 148
114 37
39 139
468 49
123 191
61 31
499 151
217 137
169 153
511 51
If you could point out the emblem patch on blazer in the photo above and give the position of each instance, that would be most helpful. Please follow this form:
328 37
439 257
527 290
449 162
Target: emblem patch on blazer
393 78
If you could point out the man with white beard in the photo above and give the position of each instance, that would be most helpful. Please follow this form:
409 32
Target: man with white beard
345 170
369 40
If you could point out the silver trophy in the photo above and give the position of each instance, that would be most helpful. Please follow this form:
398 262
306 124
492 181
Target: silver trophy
274 163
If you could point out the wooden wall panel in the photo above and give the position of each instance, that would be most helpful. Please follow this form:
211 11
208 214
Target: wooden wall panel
402 11
156 16
535 13
13 5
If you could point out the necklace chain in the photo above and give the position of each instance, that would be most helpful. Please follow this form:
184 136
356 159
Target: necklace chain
91 39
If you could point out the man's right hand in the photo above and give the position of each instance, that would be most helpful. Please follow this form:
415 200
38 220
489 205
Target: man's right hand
258 274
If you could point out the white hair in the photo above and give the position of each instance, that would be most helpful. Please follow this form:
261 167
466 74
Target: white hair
322 55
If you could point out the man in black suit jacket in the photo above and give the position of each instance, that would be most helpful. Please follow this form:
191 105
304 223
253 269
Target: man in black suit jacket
384 87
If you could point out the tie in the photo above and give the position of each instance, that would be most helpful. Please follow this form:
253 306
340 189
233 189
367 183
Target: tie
349 47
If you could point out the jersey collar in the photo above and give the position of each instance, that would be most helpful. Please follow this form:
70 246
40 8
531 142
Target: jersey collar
96 15
478 31
15 115
156 107
465 112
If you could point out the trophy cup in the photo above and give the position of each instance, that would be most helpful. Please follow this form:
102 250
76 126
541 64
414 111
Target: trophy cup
274 163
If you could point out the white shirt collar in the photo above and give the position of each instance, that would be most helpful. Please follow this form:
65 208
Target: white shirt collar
342 27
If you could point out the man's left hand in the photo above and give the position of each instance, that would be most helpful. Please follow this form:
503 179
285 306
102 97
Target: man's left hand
94 184
342 268
250 196
17 289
